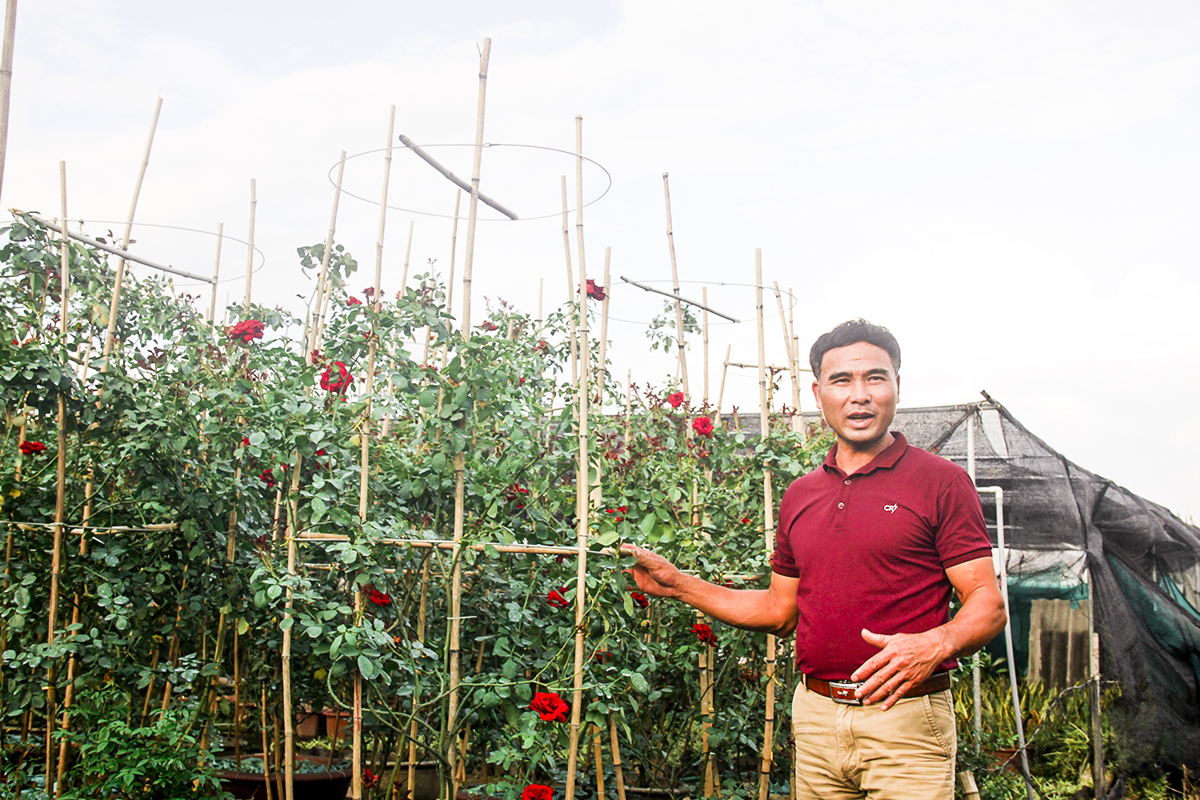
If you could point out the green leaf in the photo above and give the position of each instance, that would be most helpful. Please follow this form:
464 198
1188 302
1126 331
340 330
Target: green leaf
639 682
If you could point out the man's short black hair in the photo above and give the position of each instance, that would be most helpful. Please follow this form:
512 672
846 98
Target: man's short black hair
852 332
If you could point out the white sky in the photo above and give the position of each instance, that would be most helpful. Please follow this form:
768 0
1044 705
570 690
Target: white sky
1010 187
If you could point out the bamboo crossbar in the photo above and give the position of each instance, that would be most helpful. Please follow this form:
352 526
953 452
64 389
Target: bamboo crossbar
457 181
116 251
646 288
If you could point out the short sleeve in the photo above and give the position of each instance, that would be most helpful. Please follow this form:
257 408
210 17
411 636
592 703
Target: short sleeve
962 533
783 560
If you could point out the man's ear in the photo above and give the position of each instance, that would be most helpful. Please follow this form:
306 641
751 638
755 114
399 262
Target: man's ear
816 387
897 387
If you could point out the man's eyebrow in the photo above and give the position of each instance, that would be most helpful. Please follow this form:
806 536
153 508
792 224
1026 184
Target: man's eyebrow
866 373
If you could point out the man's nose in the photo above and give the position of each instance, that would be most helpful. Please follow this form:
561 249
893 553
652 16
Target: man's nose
859 393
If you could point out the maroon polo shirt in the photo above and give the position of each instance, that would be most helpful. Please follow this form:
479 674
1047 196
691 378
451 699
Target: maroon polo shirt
871 551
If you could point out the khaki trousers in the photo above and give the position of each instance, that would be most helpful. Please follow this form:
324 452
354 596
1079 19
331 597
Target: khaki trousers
845 752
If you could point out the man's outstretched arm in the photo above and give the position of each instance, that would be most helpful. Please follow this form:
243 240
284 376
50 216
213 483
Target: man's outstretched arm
771 610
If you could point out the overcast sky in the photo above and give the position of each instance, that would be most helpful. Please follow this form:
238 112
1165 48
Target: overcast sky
1010 187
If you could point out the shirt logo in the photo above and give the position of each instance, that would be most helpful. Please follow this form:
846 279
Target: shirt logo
891 508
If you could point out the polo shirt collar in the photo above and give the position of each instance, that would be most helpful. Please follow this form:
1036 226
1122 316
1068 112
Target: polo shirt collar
884 460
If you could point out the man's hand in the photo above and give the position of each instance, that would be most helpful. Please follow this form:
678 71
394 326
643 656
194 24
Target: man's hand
903 661
654 575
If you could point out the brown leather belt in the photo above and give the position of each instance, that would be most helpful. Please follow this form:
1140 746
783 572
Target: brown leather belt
843 691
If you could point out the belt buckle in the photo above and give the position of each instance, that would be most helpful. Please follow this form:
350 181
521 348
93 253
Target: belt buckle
843 692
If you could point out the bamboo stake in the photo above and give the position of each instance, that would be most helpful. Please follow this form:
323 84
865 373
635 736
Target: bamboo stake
212 303
323 276
570 281
453 246
293 521
416 701
250 248
119 279
616 753
628 406
764 421
724 372
675 281
407 250
60 488
6 63
798 392
581 513
598 752
459 461
704 297
262 713
705 713
790 349
457 181
601 362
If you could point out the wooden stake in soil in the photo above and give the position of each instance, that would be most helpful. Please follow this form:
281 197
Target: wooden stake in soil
250 248
764 421
582 467
323 283
683 374
453 247
114 303
724 372
293 520
459 461
6 61
616 754
570 283
602 358
407 250
60 487
212 303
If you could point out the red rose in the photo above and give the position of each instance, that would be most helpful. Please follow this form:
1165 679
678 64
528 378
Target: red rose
380 598
488 325
339 382
745 520
557 599
702 426
267 477
594 292
29 448
542 347
640 600
704 633
354 301
675 399
550 707
318 357
537 791
369 291
369 778
246 331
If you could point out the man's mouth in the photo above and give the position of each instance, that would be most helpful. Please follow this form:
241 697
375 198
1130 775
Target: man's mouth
860 418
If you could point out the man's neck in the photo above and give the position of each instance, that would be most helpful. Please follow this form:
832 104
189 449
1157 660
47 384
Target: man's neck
850 458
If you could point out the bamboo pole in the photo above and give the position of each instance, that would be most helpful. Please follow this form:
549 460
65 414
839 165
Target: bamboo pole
598 753
764 421
683 373
616 754
266 749
323 275
570 283
6 63
119 279
416 701
293 522
581 514
704 297
459 461
724 372
797 389
789 346
453 247
705 712
250 248
602 359
237 704
212 303
628 406
60 487
407 250
457 181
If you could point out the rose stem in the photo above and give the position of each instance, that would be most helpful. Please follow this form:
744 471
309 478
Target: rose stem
764 421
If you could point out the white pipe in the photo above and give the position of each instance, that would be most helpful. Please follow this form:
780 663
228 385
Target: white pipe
1002 557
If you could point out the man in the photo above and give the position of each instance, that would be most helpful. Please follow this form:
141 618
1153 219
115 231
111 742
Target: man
869 547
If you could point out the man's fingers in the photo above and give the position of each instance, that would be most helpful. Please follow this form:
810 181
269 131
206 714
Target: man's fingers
876 639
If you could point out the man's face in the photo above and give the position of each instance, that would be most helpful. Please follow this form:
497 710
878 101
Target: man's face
857 391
